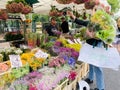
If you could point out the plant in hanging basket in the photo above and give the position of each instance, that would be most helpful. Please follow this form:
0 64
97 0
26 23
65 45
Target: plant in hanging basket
65 1
26 9
90 4
54 11
18 7
79 1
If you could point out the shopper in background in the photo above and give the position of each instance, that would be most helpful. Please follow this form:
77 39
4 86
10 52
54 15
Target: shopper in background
52 29
64 25
96 43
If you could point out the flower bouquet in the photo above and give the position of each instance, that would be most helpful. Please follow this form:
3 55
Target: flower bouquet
64 1
104 26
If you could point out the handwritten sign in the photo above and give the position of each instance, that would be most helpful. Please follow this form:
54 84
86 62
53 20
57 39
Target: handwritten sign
41 54
15 61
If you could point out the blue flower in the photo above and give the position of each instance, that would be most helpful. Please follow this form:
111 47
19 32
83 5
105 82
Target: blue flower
71 61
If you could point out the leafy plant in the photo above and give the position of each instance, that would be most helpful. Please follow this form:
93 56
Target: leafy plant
10 36
115 5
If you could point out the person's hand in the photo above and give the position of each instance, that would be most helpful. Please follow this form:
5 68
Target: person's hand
90 34
71 14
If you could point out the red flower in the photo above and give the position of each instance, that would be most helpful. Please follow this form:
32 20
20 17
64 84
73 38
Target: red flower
72 75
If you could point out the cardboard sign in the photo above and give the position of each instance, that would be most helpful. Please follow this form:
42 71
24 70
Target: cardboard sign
22 16
15 61
41 54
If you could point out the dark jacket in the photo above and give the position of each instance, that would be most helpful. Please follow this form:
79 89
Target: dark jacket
65 27
90 41
50 30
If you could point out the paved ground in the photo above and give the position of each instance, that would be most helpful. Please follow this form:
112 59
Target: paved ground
112 80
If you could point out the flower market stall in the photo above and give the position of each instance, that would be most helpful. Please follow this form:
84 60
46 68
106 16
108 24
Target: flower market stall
43 62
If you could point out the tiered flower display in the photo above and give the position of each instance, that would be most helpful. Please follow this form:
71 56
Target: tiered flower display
3 14
18 7
106 31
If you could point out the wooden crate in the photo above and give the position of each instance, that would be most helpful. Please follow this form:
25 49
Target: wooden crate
82 69
62 86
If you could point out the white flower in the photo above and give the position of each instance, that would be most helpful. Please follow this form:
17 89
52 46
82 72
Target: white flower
18 51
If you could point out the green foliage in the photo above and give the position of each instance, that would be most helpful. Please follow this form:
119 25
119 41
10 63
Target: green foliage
13 36
115 5
35 17
17 1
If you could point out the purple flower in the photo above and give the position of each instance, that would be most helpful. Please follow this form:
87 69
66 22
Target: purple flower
75 54
58 43
71 61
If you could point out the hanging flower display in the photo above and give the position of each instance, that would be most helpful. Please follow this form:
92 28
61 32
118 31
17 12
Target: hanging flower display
3 14
64 1
26 9
90 4
54 11
79 1
18 7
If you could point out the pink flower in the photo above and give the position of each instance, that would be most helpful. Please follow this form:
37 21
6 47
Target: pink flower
72 75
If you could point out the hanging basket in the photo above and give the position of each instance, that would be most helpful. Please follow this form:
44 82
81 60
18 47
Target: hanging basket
65 1
89 4
26 9
79 1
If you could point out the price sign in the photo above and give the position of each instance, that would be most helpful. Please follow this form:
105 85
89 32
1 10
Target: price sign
41 54
22 16
15 61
